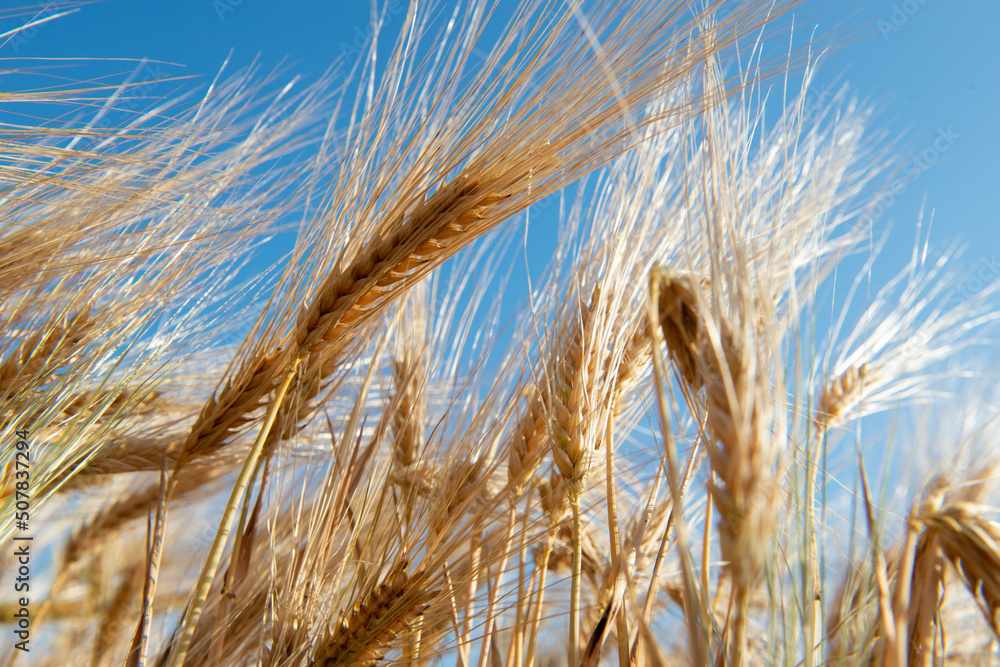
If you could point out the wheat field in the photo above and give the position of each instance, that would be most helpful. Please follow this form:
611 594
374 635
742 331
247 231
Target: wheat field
694 439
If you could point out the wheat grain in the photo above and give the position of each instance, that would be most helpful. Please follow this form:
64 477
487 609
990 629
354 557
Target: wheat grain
375 621
840 395
946 526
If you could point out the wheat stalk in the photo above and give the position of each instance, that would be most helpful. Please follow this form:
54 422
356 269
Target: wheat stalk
399 435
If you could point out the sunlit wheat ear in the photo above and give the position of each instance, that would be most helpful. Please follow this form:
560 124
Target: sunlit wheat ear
679 321
457 180
948 526
464 485
577 418
736 416
409 401
361 635
42 353
637 355
840 396
548 395
708 352
893 354
643 536
528 442
575 406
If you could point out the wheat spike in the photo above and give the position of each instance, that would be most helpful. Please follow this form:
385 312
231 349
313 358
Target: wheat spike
840 395
946 526
44 352
574 402
375 621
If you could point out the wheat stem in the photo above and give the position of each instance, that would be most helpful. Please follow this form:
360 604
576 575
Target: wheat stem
811 598
179 651
229 582
616 564
536 613
574 595
488 630
136 656
706 548
517 641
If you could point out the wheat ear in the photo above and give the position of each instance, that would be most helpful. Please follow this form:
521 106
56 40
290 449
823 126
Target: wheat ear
948 525
840 395
114 617
434 230
696 617
409 402
44 352
375 621
572 440
709 353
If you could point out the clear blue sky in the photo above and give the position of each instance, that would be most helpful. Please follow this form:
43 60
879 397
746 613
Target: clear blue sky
932 66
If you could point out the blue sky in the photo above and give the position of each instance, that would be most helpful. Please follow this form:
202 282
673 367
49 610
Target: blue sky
932 68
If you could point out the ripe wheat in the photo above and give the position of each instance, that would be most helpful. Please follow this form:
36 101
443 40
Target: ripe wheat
388 469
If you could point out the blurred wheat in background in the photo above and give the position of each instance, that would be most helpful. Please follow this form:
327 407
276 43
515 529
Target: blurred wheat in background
350 458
